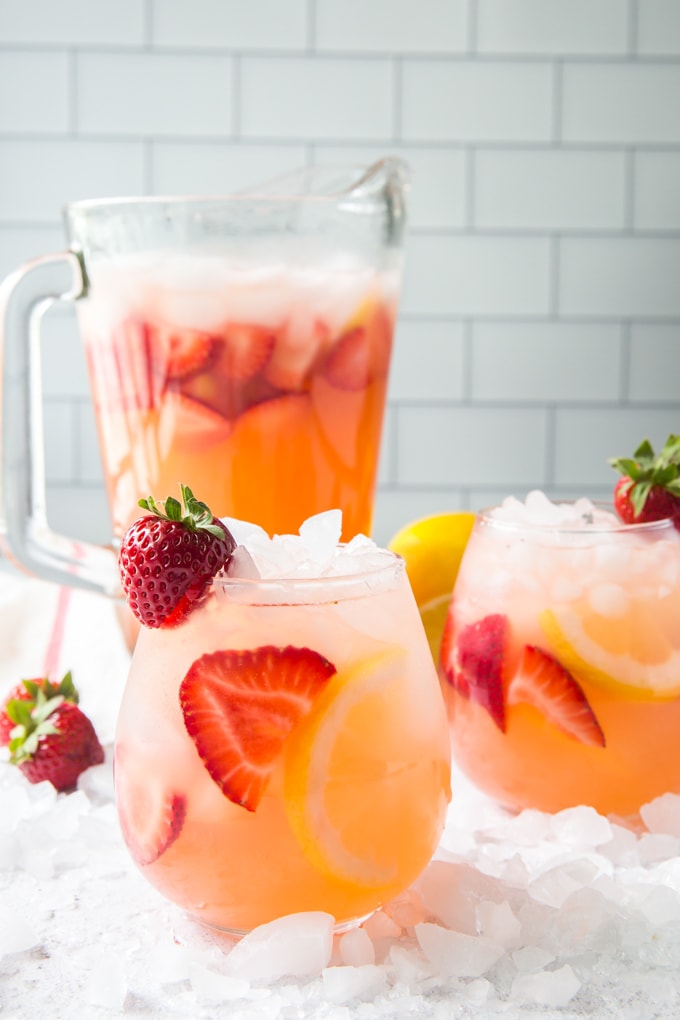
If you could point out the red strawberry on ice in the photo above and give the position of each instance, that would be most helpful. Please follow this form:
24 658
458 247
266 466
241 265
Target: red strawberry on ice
543 682
649 489
472 662
27 690
168 558
52 739
240 706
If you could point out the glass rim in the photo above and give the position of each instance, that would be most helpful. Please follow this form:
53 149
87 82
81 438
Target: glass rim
485 517
356 584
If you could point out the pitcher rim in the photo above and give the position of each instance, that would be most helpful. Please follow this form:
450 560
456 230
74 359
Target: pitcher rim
362 174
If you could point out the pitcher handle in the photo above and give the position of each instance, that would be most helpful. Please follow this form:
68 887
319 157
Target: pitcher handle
25 535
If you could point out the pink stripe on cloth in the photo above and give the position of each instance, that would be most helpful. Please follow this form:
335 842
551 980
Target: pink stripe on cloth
56 639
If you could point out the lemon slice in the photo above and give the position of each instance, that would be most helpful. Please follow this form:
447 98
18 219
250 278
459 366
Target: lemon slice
432 548
636 654
343 789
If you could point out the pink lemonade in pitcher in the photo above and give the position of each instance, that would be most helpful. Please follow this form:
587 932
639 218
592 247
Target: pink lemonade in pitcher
261 387
560 662
283 747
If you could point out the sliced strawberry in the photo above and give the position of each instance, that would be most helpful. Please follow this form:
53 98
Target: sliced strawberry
134 384
240 706
543 682
246 349
472 662
190 422
361 354
151 818
182 353
226 396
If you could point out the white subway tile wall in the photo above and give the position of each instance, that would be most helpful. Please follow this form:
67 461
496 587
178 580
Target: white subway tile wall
539 330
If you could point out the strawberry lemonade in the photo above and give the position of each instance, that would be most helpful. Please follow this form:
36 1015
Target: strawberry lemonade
560 662
282 743
262 386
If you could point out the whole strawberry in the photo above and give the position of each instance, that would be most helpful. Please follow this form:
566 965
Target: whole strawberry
52 740
650 487
26 690
168 558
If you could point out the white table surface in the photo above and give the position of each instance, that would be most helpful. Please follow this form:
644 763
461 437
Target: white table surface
529 915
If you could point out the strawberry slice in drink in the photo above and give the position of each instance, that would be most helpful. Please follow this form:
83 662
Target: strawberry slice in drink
544 683
239 708
361 354
246 349
182 353
472 662
133 383
151 817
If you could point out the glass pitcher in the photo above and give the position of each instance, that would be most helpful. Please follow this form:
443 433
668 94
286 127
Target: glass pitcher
239 345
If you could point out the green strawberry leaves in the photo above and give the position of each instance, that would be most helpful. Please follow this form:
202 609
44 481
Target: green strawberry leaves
647 470
191 512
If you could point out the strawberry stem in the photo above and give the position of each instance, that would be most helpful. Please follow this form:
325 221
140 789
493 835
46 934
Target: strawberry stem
648 471
191 512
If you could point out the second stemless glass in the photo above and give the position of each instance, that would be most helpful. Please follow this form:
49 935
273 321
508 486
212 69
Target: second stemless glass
285 749
561 661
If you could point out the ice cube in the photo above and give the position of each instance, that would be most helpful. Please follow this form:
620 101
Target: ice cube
452 891
297 945
662 815
408 965
530 958
356 948
106 984
16 934
581 826
609 600
214 988
548 987
321 534
343 984
497 922
657 846
242 565
456 954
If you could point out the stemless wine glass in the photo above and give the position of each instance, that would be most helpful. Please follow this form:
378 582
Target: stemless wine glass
561 659
285 748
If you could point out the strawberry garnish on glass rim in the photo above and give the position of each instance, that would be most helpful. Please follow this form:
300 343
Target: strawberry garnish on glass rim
650 487
169 556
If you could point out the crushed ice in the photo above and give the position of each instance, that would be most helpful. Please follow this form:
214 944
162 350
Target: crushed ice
559 916
315 551
570 912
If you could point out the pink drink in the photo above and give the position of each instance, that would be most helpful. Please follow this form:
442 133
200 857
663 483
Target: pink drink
285 748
